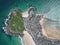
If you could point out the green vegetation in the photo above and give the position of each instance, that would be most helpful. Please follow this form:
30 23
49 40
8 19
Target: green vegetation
16 23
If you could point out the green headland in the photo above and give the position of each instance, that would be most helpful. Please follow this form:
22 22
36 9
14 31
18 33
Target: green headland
16 23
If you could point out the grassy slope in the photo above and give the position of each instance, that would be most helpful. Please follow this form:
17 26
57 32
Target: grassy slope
16 23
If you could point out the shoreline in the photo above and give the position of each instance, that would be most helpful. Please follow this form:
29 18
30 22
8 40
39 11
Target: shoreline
6 24
28 39
22 40
6 28
9 33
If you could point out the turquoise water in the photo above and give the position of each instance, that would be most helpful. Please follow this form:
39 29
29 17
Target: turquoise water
50 8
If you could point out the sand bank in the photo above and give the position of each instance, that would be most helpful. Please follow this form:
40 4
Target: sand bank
49 31
28 39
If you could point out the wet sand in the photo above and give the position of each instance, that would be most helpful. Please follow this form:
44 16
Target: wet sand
49 31
28 39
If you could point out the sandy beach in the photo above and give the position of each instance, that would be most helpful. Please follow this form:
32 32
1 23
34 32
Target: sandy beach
25 14
49 31
28 39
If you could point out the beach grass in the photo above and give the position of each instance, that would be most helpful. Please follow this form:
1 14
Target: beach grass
16 23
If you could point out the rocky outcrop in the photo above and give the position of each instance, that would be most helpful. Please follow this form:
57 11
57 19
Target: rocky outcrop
34 28
7 29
